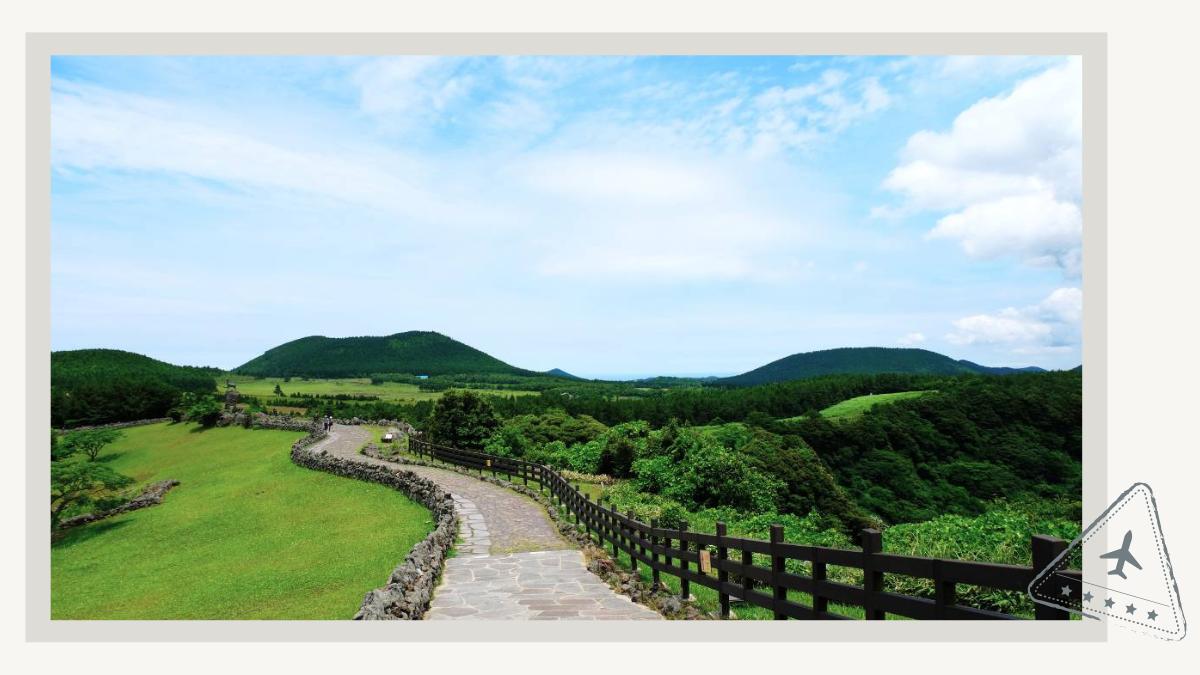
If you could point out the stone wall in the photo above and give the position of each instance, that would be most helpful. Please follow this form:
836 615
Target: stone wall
150 496
409 588
119 425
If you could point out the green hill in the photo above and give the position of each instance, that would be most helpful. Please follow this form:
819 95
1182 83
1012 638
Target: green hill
98 386
414 352
559 372
863 360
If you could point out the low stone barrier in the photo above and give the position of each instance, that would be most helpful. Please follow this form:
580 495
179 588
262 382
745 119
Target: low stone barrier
409 588
150 496
117 425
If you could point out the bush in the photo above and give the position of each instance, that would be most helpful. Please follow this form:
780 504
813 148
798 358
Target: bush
206 413
462 419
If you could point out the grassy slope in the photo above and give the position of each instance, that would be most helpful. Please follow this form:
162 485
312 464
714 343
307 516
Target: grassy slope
387 391
246 535
854 407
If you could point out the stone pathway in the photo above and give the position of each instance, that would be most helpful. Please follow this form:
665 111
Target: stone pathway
510 562
537 585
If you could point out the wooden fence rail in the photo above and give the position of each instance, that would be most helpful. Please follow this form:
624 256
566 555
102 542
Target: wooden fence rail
694 557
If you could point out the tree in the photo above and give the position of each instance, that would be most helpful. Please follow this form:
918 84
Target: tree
279 390
89 442
80 483
205 412
462 419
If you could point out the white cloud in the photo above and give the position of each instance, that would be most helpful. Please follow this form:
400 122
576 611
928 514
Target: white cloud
1009 170
911 339
1050 325
1035 227
796 117
410 89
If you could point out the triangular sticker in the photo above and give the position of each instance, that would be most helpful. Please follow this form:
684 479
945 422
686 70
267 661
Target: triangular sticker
1127 575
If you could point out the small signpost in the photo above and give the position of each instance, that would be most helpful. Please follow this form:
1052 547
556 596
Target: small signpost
705 561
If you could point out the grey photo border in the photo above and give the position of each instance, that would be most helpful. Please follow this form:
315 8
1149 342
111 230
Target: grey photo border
39 47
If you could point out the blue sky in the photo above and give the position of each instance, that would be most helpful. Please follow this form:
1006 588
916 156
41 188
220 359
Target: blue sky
610 216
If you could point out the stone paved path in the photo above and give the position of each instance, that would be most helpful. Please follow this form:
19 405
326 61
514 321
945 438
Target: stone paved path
511 563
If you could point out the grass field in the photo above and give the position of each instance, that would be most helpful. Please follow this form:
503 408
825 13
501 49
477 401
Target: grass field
387 391
246 534
854 407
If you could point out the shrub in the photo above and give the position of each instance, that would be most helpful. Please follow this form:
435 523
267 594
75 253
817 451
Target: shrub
206 413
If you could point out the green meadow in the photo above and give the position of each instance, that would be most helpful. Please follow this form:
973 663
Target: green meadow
246 534
855 407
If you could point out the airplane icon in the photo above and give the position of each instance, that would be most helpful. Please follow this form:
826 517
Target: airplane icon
1122 556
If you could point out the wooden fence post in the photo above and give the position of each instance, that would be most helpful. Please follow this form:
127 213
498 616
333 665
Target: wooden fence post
1045 549
585 508
655 576
872 542
685 588
575 505
616 529
820 572
777 567
747 582
944 592
722 574
632 547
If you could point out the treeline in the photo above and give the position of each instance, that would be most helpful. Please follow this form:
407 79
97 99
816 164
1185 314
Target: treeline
100 386
617 402
613 403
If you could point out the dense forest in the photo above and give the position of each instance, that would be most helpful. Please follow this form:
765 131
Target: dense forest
413 352
954 450
98 386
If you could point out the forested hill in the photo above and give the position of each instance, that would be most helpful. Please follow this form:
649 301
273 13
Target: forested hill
559 372
97 386
414 352
863 360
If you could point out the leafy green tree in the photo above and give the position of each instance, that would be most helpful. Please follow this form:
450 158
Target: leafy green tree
74 484
462 419
90 442
205 412
279 390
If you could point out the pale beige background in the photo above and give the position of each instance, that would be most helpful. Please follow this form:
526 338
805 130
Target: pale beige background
1152 146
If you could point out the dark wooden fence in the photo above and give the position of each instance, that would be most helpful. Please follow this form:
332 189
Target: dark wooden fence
729 565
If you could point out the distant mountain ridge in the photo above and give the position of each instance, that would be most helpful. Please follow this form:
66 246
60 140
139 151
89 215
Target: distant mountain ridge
864 360
413 352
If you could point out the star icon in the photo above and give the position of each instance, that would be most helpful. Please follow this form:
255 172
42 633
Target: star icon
1108 602
1152 615
1087 597
1066 590
1130 609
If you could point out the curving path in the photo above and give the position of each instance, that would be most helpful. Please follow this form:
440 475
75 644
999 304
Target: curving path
511 562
